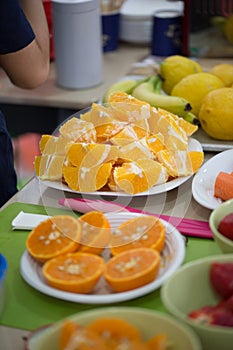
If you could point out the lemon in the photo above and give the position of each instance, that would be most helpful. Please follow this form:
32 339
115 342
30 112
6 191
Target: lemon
174 68
216 114
224 71
228 29
195 87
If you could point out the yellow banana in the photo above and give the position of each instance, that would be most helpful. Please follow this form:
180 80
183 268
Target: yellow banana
150 92
126 85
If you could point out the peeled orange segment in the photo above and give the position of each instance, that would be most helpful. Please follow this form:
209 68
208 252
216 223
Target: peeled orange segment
135 150
180 163
93 179
74 272
105 132
189 128
50 144
197 159
159 342
144 231
96 231
49 166
117 333
128 134
74 336
130 109
100 114
71 177
54 236
174 136
78 130
132 269
140 176
155 142
88 155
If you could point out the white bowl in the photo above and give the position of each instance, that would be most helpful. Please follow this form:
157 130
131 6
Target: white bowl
148 322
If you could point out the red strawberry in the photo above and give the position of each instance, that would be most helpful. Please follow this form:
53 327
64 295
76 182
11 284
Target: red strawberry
213 315
227 304
225 226
221 278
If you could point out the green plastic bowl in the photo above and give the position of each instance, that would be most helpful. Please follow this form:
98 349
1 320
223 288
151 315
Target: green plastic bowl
189 289
224 243
147 321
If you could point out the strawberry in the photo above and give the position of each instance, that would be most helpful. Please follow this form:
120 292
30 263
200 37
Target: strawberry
213 315
221 278
225 226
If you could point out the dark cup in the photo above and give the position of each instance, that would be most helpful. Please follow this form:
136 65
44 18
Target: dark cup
110 31
166 33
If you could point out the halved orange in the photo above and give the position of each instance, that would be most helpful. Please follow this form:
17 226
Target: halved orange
132 269
116 332
144 231
74 272
70 177
78 130
57 235
96 231
77 337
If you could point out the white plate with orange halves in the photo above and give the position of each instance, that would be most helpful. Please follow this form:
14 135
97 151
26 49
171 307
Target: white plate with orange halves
172 256
204 180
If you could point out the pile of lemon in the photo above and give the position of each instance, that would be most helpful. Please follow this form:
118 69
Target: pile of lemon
210 93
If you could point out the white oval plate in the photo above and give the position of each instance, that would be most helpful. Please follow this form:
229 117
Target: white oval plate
203 181
194 145
172 257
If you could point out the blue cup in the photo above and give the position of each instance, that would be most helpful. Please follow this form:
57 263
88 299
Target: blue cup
167 33
110 31
3 270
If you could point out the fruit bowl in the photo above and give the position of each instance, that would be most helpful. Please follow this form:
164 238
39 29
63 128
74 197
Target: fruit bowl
148 322
224 243
189 289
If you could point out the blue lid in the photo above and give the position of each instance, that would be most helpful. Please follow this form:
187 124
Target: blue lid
3 266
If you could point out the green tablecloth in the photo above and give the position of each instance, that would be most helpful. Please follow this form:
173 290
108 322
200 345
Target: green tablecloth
27 308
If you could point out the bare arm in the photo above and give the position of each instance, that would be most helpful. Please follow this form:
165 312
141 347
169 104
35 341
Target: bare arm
29 67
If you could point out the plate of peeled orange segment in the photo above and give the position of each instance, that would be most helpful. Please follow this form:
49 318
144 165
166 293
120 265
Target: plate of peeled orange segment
204 182
99 271
125 148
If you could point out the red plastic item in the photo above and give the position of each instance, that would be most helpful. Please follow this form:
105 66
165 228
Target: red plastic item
48 11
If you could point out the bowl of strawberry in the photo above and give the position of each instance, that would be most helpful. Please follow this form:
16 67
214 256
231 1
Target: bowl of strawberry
200 294
221 225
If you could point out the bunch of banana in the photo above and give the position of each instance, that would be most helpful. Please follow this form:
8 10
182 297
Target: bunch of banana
150 90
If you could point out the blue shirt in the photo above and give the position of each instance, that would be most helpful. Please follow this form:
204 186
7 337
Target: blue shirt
15 34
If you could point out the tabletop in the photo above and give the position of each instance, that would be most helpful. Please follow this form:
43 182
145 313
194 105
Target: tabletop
178 202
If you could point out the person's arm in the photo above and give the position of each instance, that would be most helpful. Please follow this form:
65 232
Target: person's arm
29 66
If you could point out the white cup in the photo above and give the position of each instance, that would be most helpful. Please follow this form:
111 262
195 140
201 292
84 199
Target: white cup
77 43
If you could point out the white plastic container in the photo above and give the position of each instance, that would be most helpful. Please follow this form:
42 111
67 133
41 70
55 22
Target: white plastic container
77 43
